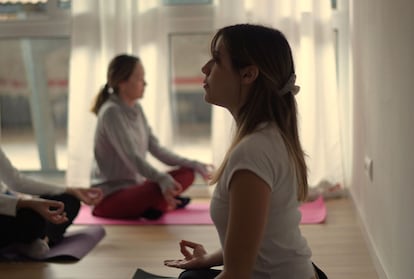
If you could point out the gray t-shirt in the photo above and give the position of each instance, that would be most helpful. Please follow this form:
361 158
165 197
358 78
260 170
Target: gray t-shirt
284 252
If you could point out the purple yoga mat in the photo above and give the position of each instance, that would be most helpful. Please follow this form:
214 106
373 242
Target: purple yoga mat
75 245
141 274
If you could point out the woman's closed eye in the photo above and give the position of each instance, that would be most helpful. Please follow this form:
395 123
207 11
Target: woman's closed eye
215 57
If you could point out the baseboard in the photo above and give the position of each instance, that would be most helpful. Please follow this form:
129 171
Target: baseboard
368 240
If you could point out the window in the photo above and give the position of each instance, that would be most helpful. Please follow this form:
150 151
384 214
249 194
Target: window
191 114
31 9
186 2
34 64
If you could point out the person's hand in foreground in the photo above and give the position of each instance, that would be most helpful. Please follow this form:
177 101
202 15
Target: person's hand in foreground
205 170
52 211
194 256
90 196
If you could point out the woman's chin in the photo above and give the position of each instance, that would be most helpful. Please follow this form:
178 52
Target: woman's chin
207 99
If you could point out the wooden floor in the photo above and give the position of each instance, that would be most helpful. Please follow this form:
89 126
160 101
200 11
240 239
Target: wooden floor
338 248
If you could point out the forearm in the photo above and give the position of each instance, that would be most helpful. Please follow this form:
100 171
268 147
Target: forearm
144 168
167 156
214 259
23 203
27 202
18 182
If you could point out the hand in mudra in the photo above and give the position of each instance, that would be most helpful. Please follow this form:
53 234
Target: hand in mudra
170 193
53 211
194 256
89 196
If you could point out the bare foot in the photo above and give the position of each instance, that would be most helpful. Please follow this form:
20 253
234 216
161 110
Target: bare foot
35 250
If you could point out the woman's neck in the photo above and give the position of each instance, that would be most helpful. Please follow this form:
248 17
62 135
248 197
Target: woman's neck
127 101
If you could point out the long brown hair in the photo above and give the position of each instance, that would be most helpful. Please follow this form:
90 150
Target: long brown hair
268 49
120 69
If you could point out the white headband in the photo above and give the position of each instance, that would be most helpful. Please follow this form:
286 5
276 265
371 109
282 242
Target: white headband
290 86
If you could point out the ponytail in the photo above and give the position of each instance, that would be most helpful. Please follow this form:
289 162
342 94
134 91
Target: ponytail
120 69
101 98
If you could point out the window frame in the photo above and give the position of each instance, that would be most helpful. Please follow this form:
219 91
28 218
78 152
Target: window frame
54 24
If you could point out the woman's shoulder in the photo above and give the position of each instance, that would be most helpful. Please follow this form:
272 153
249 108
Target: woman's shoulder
265 142
108 108
262 137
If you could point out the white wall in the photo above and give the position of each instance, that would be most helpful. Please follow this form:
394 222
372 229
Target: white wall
382 88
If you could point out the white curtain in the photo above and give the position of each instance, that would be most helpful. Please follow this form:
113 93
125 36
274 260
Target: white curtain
307 26
102 29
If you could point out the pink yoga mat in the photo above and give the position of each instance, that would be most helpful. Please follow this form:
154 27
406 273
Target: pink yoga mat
313 212
196 213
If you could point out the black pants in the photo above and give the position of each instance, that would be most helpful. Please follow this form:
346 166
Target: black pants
212 273
199 274
28 225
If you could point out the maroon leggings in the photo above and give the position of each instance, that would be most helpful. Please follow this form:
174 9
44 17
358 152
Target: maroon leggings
133 201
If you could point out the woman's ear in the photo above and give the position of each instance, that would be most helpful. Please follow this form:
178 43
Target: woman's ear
249 74
121 86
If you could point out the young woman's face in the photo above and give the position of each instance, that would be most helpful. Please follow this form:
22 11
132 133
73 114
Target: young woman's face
222 81
133 88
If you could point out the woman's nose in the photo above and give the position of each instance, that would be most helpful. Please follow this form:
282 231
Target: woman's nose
205 69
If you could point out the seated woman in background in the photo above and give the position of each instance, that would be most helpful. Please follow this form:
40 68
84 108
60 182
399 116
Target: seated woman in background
132 187
31 224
